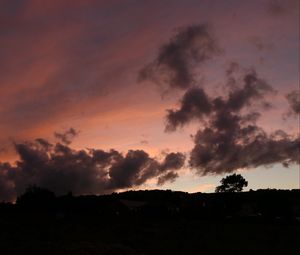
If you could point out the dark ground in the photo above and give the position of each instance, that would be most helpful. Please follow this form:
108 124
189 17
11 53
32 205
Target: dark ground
152 222
136 236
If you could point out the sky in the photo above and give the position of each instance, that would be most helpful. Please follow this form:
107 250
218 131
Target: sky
103 96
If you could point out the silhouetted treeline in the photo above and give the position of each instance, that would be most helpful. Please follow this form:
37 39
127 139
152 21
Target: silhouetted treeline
260 205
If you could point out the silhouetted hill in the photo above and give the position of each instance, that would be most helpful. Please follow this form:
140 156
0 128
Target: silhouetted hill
152 222
261 204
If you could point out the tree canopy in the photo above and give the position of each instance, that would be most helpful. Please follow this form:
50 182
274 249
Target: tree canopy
232 183
36 196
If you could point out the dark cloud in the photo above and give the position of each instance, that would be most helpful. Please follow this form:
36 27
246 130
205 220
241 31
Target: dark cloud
170 177
253 89
67 136
44 143
191 45
60 168
294 101
229 138
173 161
135 168
170 165
196 103
233 145
6 185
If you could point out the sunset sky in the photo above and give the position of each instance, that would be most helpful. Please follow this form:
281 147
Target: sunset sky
117 73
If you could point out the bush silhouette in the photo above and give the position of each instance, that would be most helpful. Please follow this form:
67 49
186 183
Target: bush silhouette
36 197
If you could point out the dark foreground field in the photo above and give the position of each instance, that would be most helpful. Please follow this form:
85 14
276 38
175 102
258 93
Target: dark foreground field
152 222
160 236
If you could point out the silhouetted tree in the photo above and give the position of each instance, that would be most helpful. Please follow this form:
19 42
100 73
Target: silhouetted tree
36 197
232 183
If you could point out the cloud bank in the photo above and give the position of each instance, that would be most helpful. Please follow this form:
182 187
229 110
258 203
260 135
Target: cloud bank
294 101
61 169
228 137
